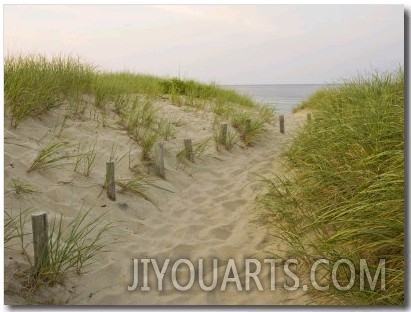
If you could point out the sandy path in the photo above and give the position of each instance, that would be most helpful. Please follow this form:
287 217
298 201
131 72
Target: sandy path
209 216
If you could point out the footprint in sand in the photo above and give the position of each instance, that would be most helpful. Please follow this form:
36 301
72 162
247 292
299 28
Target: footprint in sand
188 232
237 172
222 198
219 232
233 204
199 200
139 228
182 251
224 182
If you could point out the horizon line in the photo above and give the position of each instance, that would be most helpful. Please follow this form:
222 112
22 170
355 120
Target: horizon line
270 84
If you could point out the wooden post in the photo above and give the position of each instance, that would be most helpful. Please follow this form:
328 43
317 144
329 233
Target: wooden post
308 117
223 133
247 125
188 146
110 181
282 123
40 239
159 155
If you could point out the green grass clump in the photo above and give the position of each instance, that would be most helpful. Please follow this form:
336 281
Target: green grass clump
199 149
34 84
85 160
122 83
343 196
143 123
231 138
310 103
192 91
71 245
140 185
248 126
51 155
74 244
147 139
20 187
165 128
14 228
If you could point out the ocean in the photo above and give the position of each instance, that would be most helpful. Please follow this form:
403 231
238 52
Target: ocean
282 96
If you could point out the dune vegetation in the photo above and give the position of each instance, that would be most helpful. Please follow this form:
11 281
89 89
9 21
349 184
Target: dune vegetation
341 194
35 86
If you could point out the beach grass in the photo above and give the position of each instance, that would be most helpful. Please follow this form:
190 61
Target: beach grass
310 103
147 139
248 126
231 138
20 187
342 193
72 245
198 150
85 160
34 84
165 128
51 155
14 227
141 185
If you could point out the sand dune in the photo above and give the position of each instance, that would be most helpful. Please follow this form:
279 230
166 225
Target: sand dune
208 215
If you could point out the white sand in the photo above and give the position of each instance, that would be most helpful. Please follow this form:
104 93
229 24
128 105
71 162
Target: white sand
209 215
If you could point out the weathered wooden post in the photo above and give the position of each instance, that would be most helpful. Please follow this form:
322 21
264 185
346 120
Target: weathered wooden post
282 123
247 125
110 181
223 133
40 239
159 155
188 146
308 117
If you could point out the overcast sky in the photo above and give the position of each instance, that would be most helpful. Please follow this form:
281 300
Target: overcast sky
228 44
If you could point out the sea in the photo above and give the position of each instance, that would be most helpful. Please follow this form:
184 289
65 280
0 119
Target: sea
283 97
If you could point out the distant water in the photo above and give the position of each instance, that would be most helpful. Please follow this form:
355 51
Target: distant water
283 97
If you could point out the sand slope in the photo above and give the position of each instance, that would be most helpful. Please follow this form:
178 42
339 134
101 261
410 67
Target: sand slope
209 214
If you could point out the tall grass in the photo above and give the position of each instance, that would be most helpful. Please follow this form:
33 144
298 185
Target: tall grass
51 155
130 83
14 228
140 185
72 245
248 126
343 195
36 80
85 160
194 89
198 150
34 84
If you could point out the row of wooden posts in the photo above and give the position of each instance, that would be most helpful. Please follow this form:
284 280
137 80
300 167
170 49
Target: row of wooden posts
159 158
39 219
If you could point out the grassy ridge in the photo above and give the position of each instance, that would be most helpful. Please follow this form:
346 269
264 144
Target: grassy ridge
34 84
343 196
